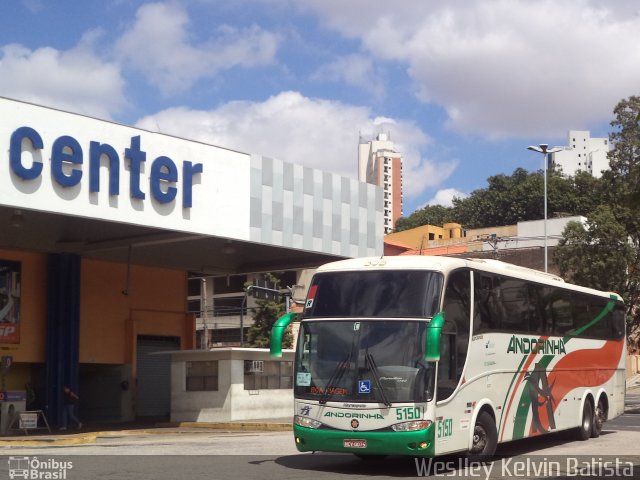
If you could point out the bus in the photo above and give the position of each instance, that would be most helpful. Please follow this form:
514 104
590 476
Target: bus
426 356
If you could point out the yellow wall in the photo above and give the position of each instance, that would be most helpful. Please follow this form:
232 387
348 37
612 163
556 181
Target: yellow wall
110 321
33 307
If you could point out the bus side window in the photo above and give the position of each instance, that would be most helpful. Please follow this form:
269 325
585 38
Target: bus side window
561 312
536 306
447 380
455 338
488 303
520 305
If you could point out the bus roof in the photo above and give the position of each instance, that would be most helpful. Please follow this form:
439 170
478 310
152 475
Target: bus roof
447 264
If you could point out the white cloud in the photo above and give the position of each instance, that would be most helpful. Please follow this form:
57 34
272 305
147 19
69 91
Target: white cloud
504 68
76 80
445 197
159 44
354 70
317 133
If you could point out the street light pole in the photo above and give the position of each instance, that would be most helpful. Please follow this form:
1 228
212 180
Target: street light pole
544 149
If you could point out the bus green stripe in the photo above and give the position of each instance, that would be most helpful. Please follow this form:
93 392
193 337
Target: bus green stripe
605 311
506 397
525 404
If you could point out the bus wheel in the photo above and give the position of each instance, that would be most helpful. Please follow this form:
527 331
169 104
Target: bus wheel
485 438
598 419
586 425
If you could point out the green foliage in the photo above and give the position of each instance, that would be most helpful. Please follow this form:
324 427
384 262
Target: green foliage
597 254
605 254
506 201
264 316
429 215
509 199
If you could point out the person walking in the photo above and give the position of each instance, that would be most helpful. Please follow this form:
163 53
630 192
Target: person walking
70 400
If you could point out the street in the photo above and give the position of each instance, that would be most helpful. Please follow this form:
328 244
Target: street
234 455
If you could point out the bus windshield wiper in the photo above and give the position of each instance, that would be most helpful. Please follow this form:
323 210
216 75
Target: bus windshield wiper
340 370
376 376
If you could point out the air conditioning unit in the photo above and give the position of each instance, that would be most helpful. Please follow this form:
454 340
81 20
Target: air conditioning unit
254 366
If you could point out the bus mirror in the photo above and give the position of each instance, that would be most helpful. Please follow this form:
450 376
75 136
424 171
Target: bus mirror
277 333
432 343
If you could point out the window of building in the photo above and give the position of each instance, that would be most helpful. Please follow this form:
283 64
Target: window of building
226 305
229 284
194 286
267 375
202 376
193 306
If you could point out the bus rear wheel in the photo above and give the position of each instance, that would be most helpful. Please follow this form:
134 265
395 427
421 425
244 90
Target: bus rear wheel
485 438
599 417
586 424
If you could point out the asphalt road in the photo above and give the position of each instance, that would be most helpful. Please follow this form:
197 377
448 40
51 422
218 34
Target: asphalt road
272 455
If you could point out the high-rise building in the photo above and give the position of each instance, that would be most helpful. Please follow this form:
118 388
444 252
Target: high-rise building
582 153
380 164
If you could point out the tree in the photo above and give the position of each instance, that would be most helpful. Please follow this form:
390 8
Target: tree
428 215
264 317
624 160
520 197
596 254
509 199
606 254
624 192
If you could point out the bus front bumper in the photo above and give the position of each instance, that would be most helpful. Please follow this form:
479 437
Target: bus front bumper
418 443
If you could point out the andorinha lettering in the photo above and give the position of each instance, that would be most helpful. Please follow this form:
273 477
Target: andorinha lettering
377 416
535 345
67 159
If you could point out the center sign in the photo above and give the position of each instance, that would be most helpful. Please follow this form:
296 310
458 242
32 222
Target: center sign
67 158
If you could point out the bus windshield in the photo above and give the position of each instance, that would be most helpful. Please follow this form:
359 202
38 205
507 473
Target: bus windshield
374 294
365 361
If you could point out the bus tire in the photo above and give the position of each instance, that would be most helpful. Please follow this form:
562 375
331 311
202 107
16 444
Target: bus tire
599 417
485 438
586 423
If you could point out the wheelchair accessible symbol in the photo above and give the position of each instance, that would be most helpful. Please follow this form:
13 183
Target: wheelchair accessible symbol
364 386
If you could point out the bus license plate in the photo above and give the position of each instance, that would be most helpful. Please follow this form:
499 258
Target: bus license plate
350 443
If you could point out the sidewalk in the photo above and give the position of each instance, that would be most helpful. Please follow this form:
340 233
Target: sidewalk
90 433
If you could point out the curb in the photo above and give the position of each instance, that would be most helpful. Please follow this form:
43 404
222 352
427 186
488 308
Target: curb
236 426
161 429
77 439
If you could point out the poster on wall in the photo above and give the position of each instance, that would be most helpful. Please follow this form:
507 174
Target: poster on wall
9 301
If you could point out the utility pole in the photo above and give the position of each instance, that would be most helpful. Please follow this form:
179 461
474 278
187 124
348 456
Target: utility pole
205 331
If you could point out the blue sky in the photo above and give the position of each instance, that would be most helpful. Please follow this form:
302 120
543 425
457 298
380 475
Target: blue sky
462 86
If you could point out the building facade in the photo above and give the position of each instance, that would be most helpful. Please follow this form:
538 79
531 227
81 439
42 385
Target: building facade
582 153
379 164
104 223
521 244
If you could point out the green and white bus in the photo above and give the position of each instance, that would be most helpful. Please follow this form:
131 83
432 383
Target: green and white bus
426 356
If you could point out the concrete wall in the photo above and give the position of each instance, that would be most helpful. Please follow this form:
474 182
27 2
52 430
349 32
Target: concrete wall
231 401
633 365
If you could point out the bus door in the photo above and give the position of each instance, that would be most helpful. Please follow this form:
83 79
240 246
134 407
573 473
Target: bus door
452 420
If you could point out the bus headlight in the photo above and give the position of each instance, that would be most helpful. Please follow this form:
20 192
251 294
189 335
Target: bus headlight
306 422
411 426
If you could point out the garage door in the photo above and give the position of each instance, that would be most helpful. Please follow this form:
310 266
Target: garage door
154 376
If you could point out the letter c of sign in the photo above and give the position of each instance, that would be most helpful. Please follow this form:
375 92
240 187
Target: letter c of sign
15 152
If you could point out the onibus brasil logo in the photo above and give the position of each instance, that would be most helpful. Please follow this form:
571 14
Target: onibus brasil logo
36 469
